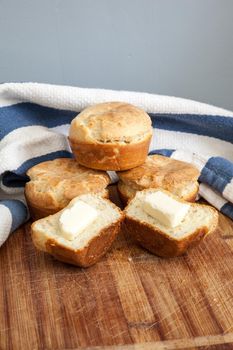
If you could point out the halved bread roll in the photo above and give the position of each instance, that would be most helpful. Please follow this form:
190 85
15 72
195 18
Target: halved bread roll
166 241
91 244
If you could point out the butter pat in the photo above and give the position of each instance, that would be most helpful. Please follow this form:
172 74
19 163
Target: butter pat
75 219
165 209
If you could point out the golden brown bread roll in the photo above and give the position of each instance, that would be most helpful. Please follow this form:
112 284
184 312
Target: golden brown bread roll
54 183
180 178
111 136
162 240
91 244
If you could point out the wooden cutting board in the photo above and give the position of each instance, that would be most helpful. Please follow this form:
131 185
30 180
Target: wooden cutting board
129 300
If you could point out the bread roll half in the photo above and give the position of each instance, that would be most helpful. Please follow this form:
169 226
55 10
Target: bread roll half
91 244
200 221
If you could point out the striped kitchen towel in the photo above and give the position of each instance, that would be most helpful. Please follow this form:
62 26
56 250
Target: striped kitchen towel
34 122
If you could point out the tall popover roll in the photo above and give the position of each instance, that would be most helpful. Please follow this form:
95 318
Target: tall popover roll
111 136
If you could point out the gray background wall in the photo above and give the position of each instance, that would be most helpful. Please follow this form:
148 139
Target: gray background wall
175 47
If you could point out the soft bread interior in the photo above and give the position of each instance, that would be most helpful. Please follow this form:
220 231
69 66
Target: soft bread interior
198 216
48 228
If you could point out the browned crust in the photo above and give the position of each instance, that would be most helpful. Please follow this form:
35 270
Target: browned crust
160 171
87 256
123 198
38 211
110 122
191 197
111 156
158 243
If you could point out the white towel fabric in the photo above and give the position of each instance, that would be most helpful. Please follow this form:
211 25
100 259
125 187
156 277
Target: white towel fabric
34 122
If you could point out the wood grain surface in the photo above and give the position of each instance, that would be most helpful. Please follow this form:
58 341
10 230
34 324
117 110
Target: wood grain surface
129 300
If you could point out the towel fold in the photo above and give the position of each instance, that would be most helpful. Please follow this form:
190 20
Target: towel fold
34 123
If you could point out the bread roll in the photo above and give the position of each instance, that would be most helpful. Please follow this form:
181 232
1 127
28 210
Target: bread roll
54 183
91 244
165 241
111 136
158 171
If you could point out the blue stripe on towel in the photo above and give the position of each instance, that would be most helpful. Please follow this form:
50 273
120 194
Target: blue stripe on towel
227 209
18 212
217 173
30 114
207 125
163 152
10 179
17 177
